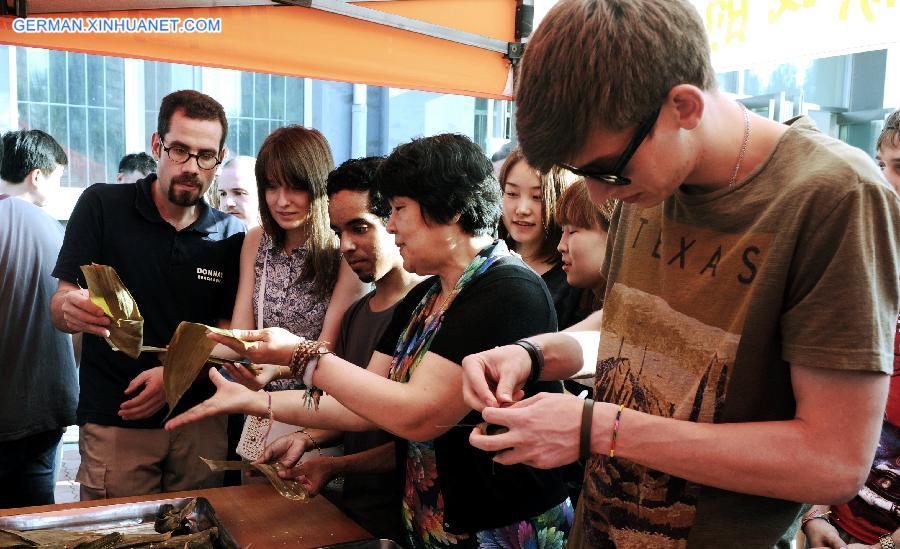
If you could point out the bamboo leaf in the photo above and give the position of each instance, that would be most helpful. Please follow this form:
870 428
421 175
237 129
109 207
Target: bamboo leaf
188 351
126 332
291 489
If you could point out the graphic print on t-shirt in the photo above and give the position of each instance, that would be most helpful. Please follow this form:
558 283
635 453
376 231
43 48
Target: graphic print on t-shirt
669 341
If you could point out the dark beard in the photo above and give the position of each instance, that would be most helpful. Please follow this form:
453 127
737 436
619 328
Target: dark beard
185 199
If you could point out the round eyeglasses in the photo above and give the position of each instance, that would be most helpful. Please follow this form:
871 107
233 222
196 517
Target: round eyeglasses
180 155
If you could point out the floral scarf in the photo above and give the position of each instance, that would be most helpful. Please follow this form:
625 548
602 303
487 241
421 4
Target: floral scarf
416 338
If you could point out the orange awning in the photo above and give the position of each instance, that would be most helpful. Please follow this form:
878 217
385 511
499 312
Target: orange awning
305 42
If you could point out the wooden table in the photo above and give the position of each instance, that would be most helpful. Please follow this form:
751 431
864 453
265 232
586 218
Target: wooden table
254 515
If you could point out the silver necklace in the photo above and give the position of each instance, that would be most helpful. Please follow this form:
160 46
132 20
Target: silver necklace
744 144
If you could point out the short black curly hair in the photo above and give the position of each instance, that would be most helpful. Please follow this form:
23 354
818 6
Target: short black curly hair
448 175
358 174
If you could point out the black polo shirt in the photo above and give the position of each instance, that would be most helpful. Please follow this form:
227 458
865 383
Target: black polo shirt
190 274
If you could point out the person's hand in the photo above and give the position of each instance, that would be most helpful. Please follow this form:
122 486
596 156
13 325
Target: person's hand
286 450
268 346
821 533
150 399
495 377
543 431
240 374
230 398
314 474
82 315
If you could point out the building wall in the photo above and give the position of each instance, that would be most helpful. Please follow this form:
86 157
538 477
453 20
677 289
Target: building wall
848 96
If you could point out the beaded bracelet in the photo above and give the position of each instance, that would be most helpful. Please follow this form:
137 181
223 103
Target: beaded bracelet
301 355
824 516
615 433
311 439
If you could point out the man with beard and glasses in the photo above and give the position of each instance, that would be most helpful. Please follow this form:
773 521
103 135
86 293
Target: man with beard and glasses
179 259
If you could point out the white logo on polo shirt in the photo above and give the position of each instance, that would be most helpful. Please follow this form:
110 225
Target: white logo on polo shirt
209 275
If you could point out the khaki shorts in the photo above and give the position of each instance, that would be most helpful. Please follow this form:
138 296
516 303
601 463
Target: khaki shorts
120 462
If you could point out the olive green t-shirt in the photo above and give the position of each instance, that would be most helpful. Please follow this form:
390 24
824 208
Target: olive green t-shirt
711 298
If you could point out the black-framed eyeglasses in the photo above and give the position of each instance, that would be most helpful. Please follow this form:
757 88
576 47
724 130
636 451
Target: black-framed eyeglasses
180 155
615 177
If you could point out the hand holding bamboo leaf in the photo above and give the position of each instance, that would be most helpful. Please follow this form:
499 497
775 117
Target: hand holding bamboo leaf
80 314
267 346
108 294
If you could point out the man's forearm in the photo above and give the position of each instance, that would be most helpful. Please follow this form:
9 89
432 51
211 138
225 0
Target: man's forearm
381 459
838 420
567 353
572 352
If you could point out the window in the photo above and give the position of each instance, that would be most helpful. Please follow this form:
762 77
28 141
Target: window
79 100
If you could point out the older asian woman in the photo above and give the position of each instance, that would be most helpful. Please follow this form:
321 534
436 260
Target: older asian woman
444 208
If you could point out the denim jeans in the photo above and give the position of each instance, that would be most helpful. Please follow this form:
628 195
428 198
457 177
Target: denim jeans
27 469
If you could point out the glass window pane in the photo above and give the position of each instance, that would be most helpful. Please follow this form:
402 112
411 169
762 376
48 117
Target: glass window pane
115 82
76 76
115 141
261 130
374 111
22 74
57 77
38 65
293 99
150 125
277 97
38 116
59 124
77 147
95 82
163 83
232 140
182 79
96 146
246 94
150 78
261 96
245 138
23 115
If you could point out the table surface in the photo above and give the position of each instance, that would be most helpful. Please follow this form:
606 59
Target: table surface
254 515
